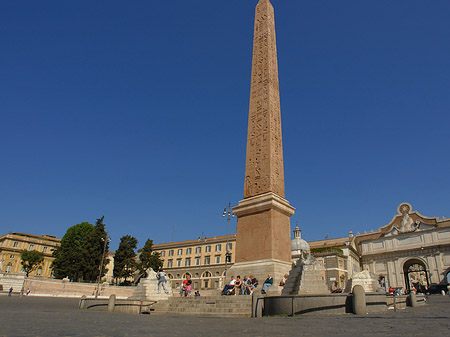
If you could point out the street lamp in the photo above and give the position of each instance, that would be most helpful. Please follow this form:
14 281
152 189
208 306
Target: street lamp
105 239
228 211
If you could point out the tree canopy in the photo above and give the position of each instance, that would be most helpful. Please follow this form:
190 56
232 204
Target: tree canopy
125 263
148 258
80 253
31 259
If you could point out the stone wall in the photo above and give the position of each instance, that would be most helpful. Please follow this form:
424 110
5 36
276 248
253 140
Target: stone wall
62 288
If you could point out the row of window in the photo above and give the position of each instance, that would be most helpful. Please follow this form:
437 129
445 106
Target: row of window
198 250
187 261
31 247
38 272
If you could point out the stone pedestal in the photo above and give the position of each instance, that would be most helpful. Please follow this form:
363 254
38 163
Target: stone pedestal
366 279
263 228
263 238
260 269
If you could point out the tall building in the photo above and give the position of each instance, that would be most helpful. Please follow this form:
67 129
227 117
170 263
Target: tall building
12 244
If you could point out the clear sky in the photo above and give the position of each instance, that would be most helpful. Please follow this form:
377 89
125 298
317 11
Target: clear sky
137 110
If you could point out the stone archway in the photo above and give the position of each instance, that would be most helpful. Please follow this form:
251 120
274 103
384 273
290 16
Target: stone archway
416 275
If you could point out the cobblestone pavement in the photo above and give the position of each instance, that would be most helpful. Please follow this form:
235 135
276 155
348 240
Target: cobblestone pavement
34 316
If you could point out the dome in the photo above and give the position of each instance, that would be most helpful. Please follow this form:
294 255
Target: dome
298 243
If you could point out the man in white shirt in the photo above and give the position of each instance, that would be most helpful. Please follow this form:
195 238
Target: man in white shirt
229 286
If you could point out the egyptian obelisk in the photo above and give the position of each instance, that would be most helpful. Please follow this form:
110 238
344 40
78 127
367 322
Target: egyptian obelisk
263 227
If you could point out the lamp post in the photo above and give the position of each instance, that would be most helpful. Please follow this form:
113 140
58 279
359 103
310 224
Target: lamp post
105 239
228 211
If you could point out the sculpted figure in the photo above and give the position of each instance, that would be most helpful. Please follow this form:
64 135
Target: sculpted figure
407 224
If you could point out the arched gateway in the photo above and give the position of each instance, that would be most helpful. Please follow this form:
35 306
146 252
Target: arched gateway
416 275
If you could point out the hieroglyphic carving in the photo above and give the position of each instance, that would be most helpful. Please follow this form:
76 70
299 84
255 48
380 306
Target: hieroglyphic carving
264 164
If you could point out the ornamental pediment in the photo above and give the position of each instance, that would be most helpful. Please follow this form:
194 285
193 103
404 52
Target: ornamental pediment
408 221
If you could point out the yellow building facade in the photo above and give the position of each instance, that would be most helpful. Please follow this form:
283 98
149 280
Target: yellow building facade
13 243
204 259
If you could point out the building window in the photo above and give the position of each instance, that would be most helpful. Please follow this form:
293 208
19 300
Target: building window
207 260
218 247
31 247
197 261
178 262
187 262
188 251
163 253
39 271
171 252
15 244
180 251
198 250
169 263
218 259
44 250
8 267
11 256
230 245
208 249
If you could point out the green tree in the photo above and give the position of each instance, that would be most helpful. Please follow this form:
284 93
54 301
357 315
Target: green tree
31 259
125 259
96 246
80 253
148 258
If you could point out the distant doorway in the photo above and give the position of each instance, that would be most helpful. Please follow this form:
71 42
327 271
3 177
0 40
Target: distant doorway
416 275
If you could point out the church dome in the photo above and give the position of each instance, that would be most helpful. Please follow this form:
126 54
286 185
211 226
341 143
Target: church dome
298 243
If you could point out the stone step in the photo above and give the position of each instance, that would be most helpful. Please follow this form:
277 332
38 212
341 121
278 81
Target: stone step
16 282
202 307
202 314
218 306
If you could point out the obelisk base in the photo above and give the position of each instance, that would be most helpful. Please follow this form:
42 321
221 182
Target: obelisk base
260 269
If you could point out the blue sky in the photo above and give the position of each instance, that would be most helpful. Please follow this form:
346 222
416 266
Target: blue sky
138 111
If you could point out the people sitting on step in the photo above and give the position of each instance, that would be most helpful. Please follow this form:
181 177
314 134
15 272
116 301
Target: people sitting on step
252 283
229 286
197 293
244 287
237 285
283 281
188 286
267 283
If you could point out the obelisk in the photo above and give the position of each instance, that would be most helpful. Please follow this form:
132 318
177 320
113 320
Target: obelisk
263 227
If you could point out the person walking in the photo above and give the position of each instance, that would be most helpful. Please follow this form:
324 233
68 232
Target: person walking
162 281
10 291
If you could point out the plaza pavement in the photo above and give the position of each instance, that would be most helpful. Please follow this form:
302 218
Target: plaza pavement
38 316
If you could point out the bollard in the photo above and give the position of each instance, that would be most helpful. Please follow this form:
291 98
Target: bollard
111 302
359 300
413 299
82 304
